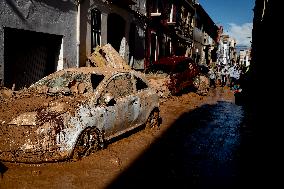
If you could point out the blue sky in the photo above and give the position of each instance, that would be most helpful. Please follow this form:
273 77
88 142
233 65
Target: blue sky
236 16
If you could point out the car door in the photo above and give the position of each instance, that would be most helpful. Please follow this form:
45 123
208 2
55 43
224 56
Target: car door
119 111
143 100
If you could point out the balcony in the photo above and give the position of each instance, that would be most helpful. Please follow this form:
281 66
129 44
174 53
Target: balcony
154 14
171 23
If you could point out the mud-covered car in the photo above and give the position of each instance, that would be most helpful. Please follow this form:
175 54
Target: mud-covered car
183 73
73 112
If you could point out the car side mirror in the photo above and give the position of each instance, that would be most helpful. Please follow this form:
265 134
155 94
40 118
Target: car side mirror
109 99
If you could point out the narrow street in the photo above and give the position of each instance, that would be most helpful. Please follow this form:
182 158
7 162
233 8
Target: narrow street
81 58
197 145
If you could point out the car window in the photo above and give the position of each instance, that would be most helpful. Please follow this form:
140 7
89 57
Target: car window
181 66
139 83
190 66
96 79
120 86
62 80
70 82
160 69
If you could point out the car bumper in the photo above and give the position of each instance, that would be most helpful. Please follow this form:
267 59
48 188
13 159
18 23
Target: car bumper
25 144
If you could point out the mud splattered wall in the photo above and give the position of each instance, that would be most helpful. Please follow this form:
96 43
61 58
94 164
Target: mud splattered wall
52 17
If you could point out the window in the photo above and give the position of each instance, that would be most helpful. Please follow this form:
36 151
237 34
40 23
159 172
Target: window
171 17
153 53
95 28
120 86
140 84
96 79
168 46
162 46
156 6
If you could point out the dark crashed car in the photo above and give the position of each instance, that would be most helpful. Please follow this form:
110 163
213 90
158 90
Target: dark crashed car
73 112
184 73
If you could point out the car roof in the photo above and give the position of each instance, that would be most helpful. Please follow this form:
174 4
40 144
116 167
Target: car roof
98 70
106 71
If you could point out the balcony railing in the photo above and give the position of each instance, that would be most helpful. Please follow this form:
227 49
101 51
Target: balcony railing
155 14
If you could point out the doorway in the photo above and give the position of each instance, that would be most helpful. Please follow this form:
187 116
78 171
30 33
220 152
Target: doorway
115 30
29 56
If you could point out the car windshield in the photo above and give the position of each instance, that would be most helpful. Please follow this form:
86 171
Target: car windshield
69 80
60 80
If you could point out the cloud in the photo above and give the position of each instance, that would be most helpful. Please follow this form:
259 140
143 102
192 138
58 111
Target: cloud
242 33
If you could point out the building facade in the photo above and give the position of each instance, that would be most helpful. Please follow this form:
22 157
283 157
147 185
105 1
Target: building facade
36 38
227 54
170 29
39 37
205 37
119 23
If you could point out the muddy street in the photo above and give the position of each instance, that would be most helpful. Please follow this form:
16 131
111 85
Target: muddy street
197 145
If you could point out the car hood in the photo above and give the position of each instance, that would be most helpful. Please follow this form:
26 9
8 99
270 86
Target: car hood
39 117
32 108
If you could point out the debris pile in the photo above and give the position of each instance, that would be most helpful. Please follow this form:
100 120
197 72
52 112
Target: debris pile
5 93
107 56
160 83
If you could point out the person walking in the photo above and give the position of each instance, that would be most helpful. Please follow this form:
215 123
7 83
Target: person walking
232 76
223 76
212 77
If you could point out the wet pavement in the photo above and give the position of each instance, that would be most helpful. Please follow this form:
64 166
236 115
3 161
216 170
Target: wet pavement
212 148
200 150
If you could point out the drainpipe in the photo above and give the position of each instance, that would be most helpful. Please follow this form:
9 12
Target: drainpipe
78 34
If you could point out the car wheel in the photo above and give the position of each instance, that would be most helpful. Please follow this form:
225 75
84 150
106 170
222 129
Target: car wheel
88 141
153 120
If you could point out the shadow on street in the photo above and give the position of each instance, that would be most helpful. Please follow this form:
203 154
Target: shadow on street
202 149
3 169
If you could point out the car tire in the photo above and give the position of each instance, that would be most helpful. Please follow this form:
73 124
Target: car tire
87 142
153 119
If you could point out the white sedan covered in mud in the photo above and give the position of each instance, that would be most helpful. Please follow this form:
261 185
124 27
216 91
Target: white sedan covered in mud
73 112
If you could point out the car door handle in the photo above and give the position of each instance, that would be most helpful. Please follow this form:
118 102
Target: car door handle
134 101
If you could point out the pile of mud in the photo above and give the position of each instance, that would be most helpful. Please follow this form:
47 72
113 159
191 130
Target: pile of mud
14 103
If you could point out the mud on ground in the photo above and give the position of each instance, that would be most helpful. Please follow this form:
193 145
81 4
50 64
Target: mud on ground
100 169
